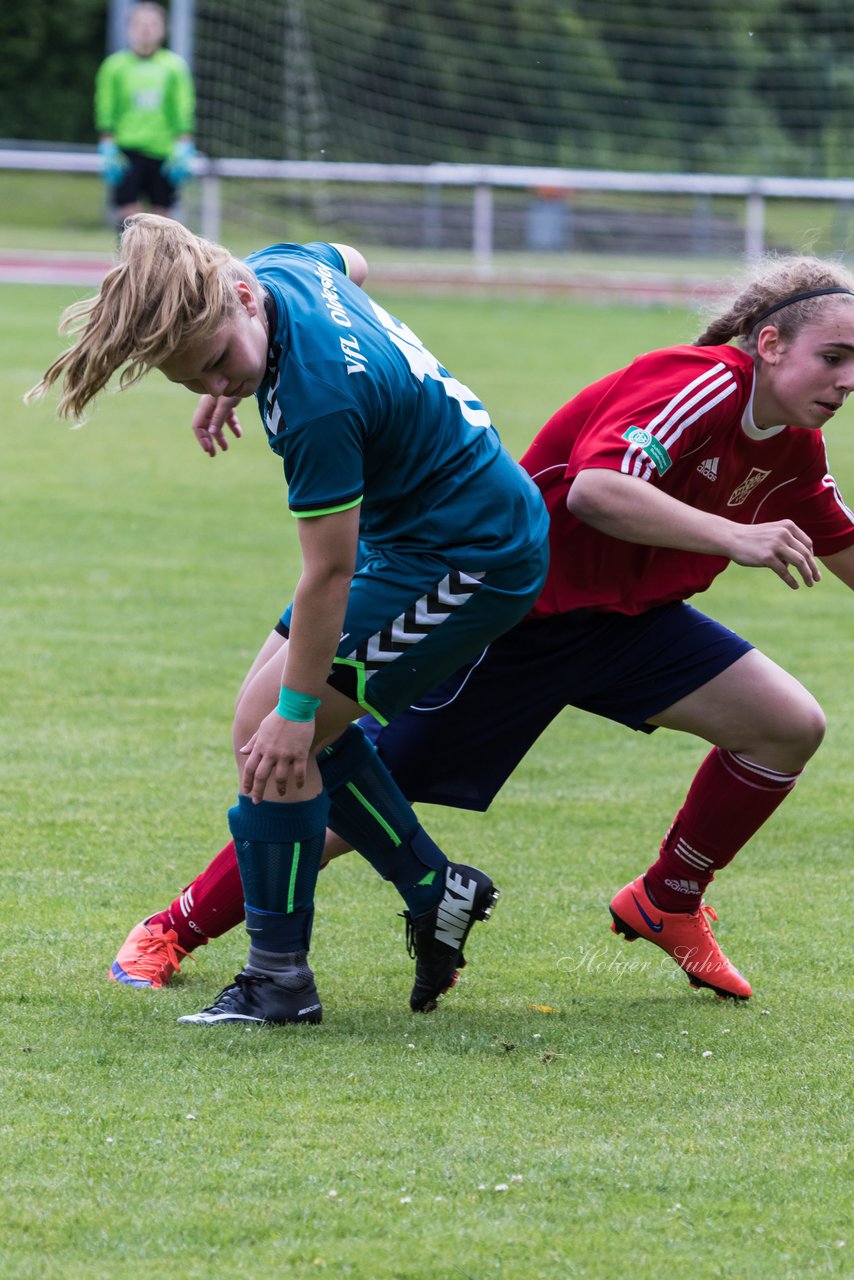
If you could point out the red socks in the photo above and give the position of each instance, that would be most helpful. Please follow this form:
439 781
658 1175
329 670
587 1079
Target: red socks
208 907
728 801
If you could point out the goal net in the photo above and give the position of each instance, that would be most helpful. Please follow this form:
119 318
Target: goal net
671 86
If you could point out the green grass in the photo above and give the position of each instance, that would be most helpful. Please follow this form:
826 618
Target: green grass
139 578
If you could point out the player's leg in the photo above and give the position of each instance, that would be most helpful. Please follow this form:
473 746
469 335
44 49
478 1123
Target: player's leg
452 616
279 846
213 902
162 194
279 843
125 196
765 727
206 908
455 746
209 906
441 756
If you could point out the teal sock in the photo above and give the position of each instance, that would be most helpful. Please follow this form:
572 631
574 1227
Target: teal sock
279 849
369 811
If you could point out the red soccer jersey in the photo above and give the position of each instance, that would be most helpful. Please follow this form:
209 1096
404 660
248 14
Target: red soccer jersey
681 420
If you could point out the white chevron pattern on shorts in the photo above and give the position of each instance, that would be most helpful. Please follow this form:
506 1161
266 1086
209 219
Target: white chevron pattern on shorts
422 617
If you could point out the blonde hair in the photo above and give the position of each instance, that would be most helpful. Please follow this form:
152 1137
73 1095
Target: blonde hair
169 290
771 281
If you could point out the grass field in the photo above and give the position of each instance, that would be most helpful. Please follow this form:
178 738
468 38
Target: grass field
572 1109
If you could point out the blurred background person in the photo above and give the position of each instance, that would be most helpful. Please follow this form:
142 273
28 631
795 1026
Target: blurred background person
145 116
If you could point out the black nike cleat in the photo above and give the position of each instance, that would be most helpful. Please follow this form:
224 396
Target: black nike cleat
288 997
436 939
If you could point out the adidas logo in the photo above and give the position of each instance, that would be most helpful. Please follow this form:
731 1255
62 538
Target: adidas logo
683 886
709 468
454 911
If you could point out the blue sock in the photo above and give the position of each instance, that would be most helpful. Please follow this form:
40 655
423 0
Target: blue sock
279 848
369 811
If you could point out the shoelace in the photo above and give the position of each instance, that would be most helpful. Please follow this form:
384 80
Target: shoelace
710 914
150 961
704 915
410 935
410 942
241 980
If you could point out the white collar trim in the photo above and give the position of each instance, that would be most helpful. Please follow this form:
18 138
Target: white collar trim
748 424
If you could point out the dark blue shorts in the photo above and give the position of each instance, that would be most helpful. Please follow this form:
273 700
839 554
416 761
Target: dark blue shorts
143 179
412 619
459 744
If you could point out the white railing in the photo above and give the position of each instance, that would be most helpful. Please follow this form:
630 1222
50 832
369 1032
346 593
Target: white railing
483 180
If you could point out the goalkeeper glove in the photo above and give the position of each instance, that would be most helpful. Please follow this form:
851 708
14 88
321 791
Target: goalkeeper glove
113 162
178 166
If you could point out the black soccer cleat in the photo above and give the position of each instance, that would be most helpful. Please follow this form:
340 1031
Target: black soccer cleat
289 997
436 939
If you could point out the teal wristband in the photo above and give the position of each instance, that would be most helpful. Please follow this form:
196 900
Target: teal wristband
296 706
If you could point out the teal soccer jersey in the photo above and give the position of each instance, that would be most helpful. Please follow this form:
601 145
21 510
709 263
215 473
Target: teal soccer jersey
361 412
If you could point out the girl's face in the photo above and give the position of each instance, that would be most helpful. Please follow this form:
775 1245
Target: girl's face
802 381
231 363
146 31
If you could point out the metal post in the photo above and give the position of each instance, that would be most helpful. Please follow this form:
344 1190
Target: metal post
431 217
701 224
482 228
211 213
117 25
181 25
754 227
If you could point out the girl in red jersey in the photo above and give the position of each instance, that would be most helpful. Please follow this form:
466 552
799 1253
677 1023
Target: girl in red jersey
656 478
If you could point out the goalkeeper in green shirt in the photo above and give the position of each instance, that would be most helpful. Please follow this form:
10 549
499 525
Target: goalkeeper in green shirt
144 114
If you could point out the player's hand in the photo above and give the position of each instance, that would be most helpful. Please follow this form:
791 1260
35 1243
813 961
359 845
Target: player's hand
279 750
213 414
178 165
778 545
114 163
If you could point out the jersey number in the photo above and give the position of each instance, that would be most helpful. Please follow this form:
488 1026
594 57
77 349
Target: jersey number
424 365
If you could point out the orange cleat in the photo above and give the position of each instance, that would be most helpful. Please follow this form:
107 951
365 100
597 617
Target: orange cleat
149 956
686 936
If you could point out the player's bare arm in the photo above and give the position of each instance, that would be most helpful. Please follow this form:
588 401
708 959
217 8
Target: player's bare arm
634 510
842 565
357 263
281 747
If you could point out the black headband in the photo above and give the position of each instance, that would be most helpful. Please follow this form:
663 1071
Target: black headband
799 297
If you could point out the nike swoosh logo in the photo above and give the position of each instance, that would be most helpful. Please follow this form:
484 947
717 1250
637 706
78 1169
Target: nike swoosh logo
656 928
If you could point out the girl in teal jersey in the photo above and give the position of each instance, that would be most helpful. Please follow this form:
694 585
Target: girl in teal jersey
656 477
421 541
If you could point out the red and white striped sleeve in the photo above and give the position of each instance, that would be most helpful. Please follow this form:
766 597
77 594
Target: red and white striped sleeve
664 404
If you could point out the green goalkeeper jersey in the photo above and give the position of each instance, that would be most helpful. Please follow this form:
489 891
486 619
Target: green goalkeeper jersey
145 103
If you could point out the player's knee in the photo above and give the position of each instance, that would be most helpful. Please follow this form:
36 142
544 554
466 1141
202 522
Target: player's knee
243 727
808 727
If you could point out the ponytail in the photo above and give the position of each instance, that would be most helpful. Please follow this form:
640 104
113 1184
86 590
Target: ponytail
792 289
169 290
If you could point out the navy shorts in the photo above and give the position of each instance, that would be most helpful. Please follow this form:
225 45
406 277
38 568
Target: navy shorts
411 620
458 745
144 178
